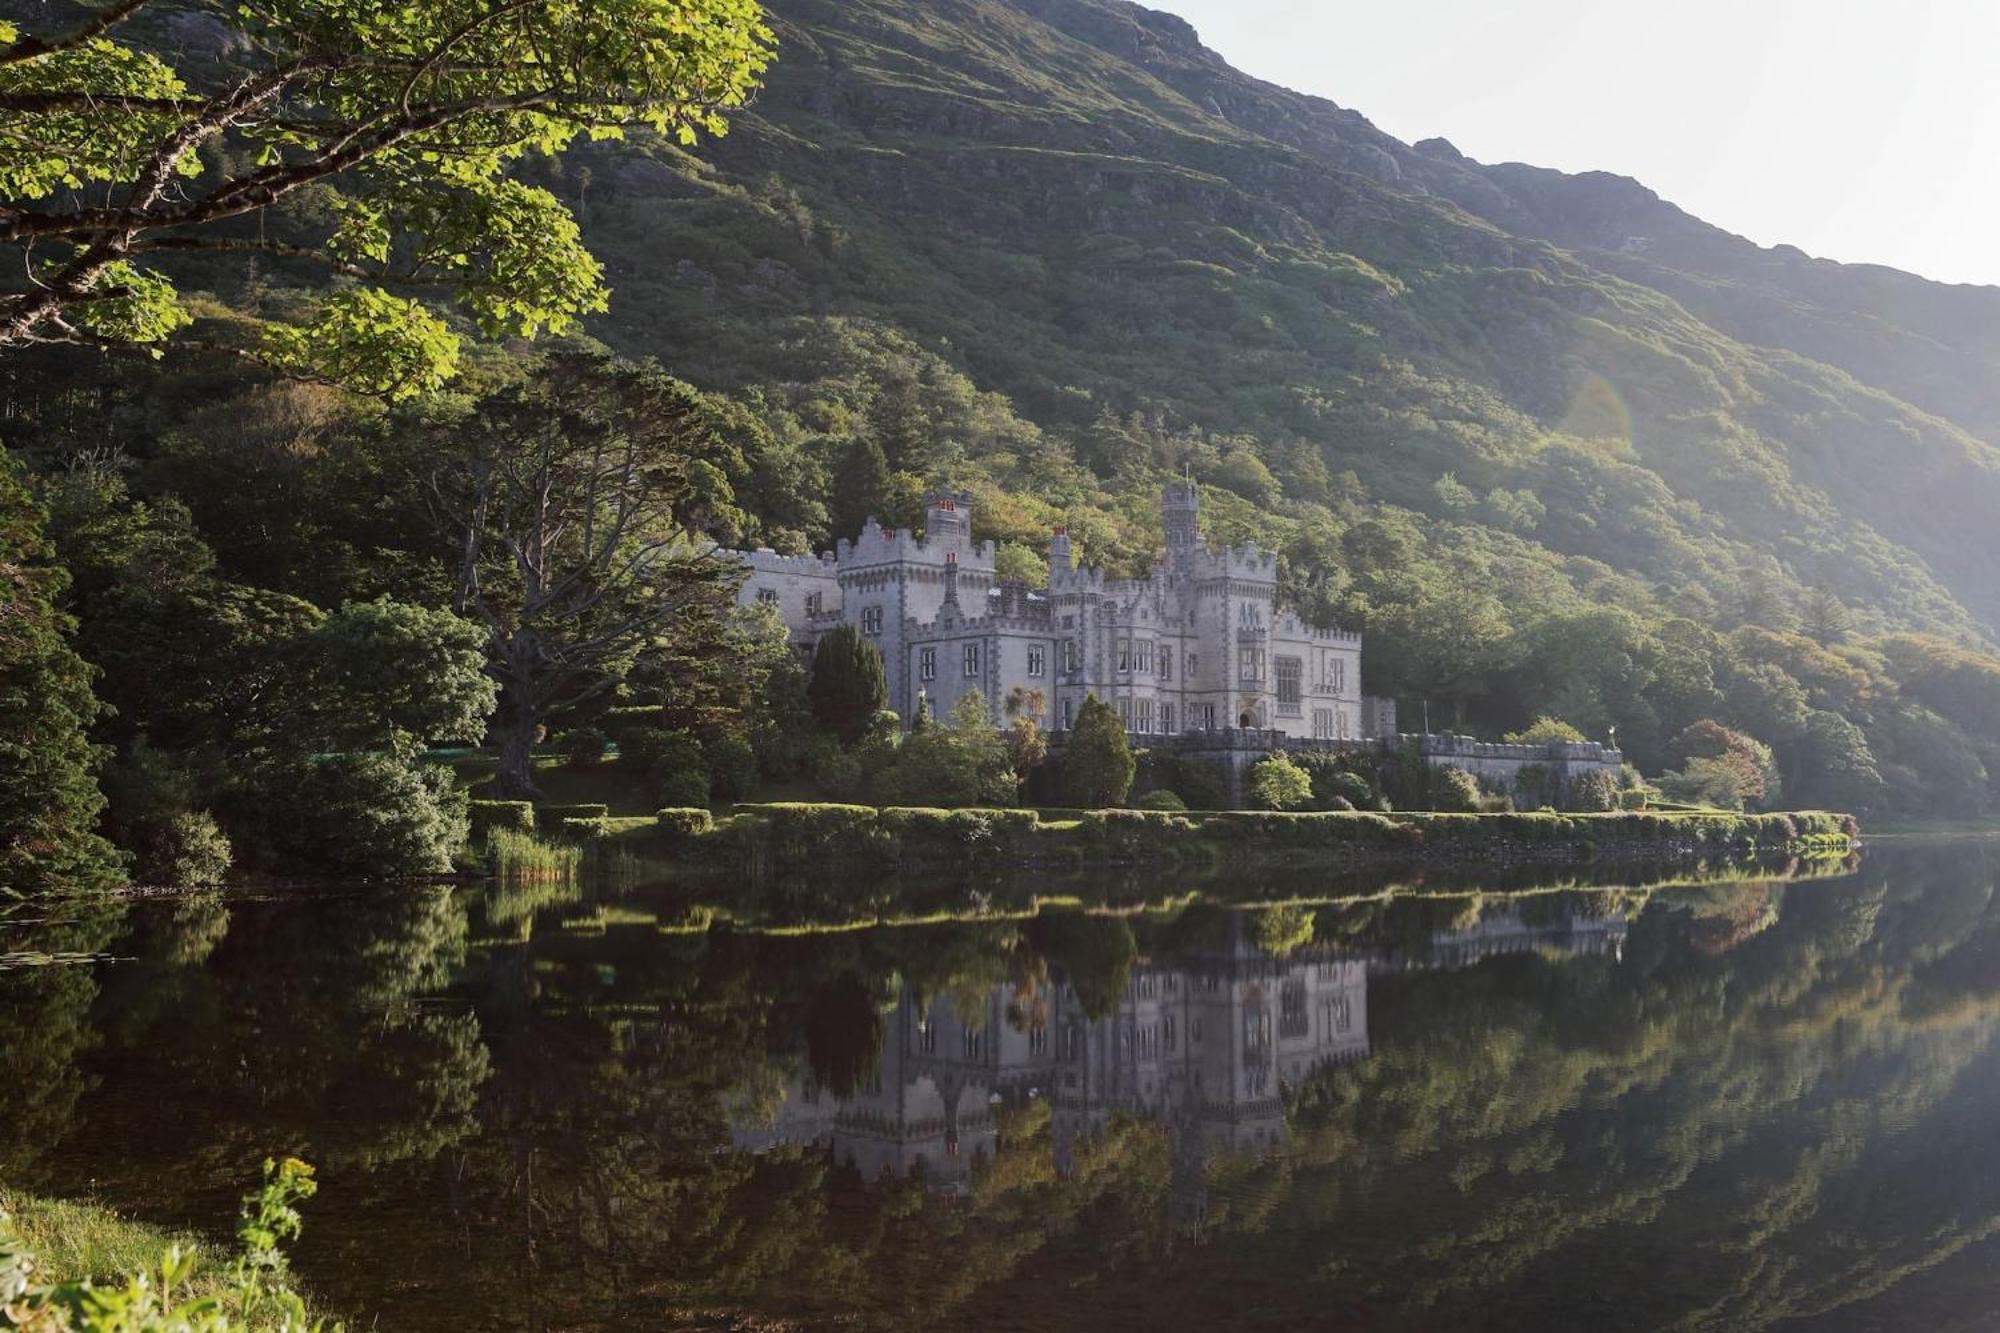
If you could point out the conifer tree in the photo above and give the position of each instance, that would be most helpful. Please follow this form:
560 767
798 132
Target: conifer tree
1098 766
848 685
49 800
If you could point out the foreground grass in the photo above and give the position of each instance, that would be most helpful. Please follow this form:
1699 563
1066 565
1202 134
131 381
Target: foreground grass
75 1239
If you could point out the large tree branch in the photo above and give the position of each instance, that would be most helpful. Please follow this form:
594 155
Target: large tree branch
33 48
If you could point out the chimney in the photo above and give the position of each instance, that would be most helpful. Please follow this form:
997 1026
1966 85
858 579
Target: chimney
1059 550
951 579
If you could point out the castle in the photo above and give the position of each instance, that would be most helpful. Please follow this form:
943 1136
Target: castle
1199 646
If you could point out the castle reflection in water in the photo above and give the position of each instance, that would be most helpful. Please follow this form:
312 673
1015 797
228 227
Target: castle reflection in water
1204 1042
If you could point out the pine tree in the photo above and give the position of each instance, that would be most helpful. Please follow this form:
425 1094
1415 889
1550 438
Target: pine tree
49 800
1098 765
848 685
860 487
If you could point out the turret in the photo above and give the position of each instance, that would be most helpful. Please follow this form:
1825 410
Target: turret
1180 507
1059 553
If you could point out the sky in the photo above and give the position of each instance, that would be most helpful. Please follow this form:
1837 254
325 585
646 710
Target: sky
1864 132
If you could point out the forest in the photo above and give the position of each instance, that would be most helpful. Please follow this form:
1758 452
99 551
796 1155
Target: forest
276 424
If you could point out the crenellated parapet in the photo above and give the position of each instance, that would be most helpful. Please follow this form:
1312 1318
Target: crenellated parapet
764 560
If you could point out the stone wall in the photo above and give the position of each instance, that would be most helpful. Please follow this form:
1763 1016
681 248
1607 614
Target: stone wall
1497 766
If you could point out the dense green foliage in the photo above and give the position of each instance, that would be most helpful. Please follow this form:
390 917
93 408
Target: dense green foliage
48 795
372 140
1098 766
848 686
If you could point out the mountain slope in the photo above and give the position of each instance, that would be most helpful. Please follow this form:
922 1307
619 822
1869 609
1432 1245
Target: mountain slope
1077 206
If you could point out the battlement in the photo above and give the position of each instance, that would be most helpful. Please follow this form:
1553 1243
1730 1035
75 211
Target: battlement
764 560
879 544
1243 562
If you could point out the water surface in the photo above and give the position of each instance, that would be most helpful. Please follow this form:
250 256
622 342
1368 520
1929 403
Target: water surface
1731 1106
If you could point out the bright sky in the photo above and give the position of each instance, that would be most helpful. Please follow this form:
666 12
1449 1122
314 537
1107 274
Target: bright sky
1859 130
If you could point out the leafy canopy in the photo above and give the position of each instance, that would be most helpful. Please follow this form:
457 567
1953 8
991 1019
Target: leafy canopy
397 121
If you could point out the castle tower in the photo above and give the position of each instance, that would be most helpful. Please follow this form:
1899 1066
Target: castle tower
1180 506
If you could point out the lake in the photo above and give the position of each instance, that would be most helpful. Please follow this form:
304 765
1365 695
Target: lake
1731 1105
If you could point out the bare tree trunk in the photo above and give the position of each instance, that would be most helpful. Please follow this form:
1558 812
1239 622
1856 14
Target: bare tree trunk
516 730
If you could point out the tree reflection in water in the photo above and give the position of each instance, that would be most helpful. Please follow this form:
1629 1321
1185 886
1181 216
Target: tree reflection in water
1712 1107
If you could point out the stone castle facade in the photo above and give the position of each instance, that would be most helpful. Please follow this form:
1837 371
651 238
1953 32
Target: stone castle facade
1201 645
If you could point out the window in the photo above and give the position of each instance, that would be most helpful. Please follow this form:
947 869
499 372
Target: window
1065 715
871 620
1250 663
1292 1020
971 659
1256 1029
1167 1031
1336 1013
1037 660
927 664
1291 672
1143 652
1193 661
1201 717
1125 714
814 601
1166 661
1340 724
1194 1030
768 596
1072 655
1145 715
926 1032
974 1039
1166 718
1038 1040
1124 654
1323 724
1336 674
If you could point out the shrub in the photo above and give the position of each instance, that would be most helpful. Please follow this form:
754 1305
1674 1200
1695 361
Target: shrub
1543 731
514 816
732 768
686 821
369 815
671 762
1454 791
582 746
1097 765
549 818
1162 799
154 817
184 847
1276 783
1331 785
1595 791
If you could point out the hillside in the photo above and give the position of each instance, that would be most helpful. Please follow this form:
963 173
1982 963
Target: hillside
1075 205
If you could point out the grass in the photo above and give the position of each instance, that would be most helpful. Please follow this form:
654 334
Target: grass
520 858
73 1239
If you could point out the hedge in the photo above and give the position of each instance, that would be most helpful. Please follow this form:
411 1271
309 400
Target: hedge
551 817
514 816
685 821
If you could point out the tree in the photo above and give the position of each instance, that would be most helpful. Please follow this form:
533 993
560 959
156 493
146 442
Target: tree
1098 766
401 118
1276 783
1826 622
1724 766
1026 744
848 685
1836 767
578 502
49 800
392 676
861 487
963 762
